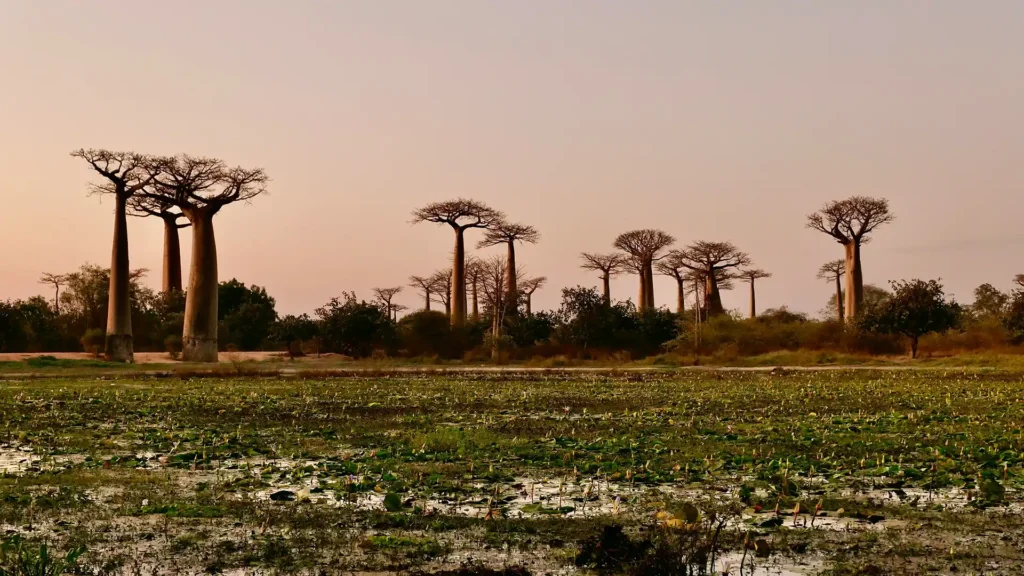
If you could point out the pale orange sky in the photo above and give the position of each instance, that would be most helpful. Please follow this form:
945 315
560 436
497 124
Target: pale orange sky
710 120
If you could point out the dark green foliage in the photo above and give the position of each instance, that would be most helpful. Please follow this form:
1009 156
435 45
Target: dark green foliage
916 308
989 303
429 333
246 315
18 557
292 332
525 330
355 328
1013 320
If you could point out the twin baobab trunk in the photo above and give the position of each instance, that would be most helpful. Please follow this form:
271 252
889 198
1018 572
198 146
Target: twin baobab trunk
119 310
457 300
854 281
172 256
712 297
199 340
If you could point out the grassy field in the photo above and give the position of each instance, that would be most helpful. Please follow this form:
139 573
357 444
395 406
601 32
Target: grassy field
840 472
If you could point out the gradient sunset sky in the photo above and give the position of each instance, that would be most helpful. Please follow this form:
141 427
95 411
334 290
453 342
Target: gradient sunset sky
709 120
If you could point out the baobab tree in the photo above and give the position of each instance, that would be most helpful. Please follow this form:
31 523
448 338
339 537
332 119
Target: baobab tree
385 296
672 266
529 286
608 265
751 275
644 248
833 272
126 174
461 214
494 283
506 233
396 308
1019 280
427 285
201 188
57 281
474 275
715 261
442 282
166 212
850 222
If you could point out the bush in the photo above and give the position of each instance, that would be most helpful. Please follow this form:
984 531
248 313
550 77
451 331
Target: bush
430 333
93 341
1013 320
355 328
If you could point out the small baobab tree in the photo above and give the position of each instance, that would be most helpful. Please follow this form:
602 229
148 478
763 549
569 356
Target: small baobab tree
201 188
833 272
385 296
716 261
57 281
507 234
850 222
171 217
608 265
461 214
751 275
474 276
427 285
672 266
495 298
125 175
1019 280
644 248
442 282
529 286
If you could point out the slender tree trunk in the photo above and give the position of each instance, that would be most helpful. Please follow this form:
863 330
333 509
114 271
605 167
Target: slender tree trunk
476 301
199 339
712 296
119 308
426 295
448 308
56 301
606 281
457 300
913 346
649 272
529 302
854 282
680 296
172 257
839 298
511 282
753 300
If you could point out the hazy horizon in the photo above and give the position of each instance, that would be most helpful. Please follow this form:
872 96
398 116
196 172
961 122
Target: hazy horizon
711 121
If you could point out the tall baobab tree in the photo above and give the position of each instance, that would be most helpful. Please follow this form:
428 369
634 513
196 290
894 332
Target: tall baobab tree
529 286
427 285
126 174
461 214
672 266
715 261
166 212
495 298
608 265
850 222
751 275
442 282
57 281
474 275
506 233
201 188
644 248
385 297
833 272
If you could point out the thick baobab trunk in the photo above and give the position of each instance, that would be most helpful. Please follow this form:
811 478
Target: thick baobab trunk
511 282
199 339
119 309
839 298
641 303
606 281
854 281
649 272
172 257
681 297
712 297
426 303
457 300
753 300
